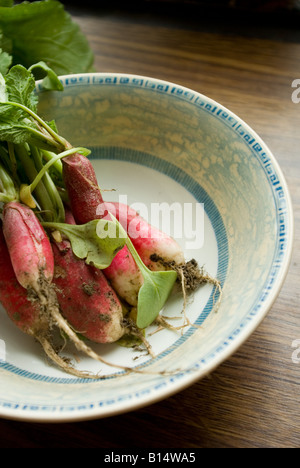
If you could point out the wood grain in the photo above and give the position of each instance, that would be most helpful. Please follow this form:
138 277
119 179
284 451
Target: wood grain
252 399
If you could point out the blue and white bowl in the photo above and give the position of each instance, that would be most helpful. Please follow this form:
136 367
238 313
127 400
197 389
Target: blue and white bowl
155 143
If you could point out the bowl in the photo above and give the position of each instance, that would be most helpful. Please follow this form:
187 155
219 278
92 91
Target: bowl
218 190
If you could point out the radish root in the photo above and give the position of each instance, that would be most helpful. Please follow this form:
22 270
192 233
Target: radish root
190 277
47 299
62 363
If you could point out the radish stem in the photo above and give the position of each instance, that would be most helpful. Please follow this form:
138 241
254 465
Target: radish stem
56 139
155 289
41 193
49 185
59 156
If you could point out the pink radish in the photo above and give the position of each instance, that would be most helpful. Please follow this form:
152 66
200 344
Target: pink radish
29 247
23 312
150 242
124 276
34 269
27 314
82 187
157 250
86 299
85 199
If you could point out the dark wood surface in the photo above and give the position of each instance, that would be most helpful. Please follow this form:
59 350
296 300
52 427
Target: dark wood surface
252 399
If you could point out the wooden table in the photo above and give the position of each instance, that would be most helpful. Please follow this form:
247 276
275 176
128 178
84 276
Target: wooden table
252 399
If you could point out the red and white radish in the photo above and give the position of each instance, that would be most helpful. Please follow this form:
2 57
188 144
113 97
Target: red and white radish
159 252
85 297
25 313
82 187
34 270
125 276
149 242
86 202
29 247
28 315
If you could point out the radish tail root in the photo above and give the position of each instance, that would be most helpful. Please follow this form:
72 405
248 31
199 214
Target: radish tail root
46 297
62 363
190 277
134 331
61 323
55 319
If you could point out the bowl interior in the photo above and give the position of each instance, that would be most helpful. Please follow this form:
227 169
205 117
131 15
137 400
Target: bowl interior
156 143
206 150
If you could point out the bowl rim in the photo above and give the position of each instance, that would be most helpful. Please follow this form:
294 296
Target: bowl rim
244 334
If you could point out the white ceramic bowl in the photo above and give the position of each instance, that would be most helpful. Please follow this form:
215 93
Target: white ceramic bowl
158 142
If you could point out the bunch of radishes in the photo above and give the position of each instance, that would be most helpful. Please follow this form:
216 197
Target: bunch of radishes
59 269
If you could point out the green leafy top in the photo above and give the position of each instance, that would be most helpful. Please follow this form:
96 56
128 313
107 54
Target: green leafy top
5 57
44 31
24 135
19 122
5 62
6 3
20 84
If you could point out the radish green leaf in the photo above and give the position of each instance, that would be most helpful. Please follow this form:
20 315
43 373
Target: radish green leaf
155 290
91 241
